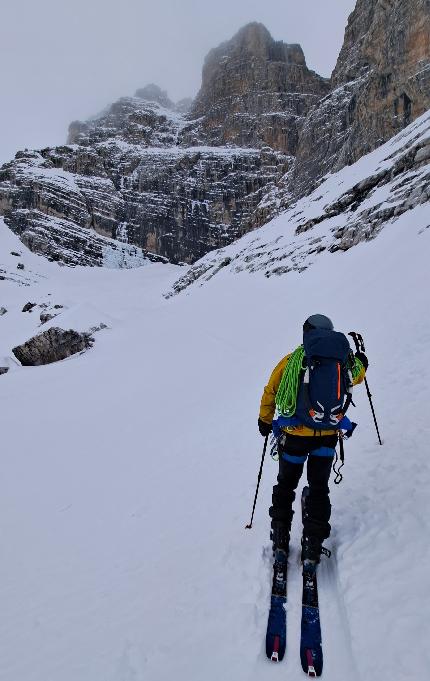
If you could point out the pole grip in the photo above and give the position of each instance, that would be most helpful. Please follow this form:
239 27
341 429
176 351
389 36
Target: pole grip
359 346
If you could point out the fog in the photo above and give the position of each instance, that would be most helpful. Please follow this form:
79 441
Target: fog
64 60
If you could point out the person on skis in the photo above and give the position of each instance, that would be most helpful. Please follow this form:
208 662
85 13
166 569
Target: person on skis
310 389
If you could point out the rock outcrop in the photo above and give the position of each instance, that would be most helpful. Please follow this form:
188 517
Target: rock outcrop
130 176
173 201
28 307
67 217
255 91
51 346
380 84
153 93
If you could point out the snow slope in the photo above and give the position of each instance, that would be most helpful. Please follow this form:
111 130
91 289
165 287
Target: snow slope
128 472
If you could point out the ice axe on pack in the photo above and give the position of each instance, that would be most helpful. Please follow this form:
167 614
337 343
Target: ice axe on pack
359 346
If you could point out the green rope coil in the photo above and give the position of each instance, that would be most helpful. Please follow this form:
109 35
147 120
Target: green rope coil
286 397
356 368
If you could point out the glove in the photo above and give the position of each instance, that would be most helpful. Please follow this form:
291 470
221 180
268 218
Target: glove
363 359
264 428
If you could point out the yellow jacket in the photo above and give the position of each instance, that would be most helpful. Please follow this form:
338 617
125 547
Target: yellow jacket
268 406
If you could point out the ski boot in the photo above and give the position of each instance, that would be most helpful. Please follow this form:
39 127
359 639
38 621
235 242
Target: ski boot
280 536
312 549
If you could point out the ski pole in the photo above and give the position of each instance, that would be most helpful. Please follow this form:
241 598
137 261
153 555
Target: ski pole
248 527
359 345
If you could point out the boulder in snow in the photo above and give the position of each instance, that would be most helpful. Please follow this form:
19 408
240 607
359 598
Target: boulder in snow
28 307
51 346
46 317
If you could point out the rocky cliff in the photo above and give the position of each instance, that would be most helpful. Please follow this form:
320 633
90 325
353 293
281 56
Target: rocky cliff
179 180
256 91
388 186
140 173
380 84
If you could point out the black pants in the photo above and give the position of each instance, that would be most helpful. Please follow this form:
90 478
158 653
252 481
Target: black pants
293 452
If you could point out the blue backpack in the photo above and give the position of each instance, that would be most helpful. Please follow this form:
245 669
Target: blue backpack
325 390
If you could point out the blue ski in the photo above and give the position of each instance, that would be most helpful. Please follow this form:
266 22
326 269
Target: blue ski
276 636
311 654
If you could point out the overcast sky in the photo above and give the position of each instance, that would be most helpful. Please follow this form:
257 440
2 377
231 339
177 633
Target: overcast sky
67 59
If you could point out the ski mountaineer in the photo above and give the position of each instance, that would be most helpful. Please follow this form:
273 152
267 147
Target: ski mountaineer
310 389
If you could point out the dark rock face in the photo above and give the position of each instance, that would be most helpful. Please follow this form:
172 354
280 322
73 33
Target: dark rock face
131 176
183 203
51 346
66 216
256 91
381 83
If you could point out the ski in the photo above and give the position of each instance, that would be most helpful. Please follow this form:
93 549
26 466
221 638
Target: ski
311 655
276 635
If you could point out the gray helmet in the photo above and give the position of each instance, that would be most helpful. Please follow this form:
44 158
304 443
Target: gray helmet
318 321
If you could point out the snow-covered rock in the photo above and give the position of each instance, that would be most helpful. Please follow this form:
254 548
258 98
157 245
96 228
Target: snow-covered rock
181 180
380 84
148 193
348 207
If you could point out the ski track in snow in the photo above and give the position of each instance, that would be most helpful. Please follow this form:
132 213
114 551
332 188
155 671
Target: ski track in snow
338 650
128 473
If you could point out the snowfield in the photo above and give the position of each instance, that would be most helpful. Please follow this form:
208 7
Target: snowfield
128 472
